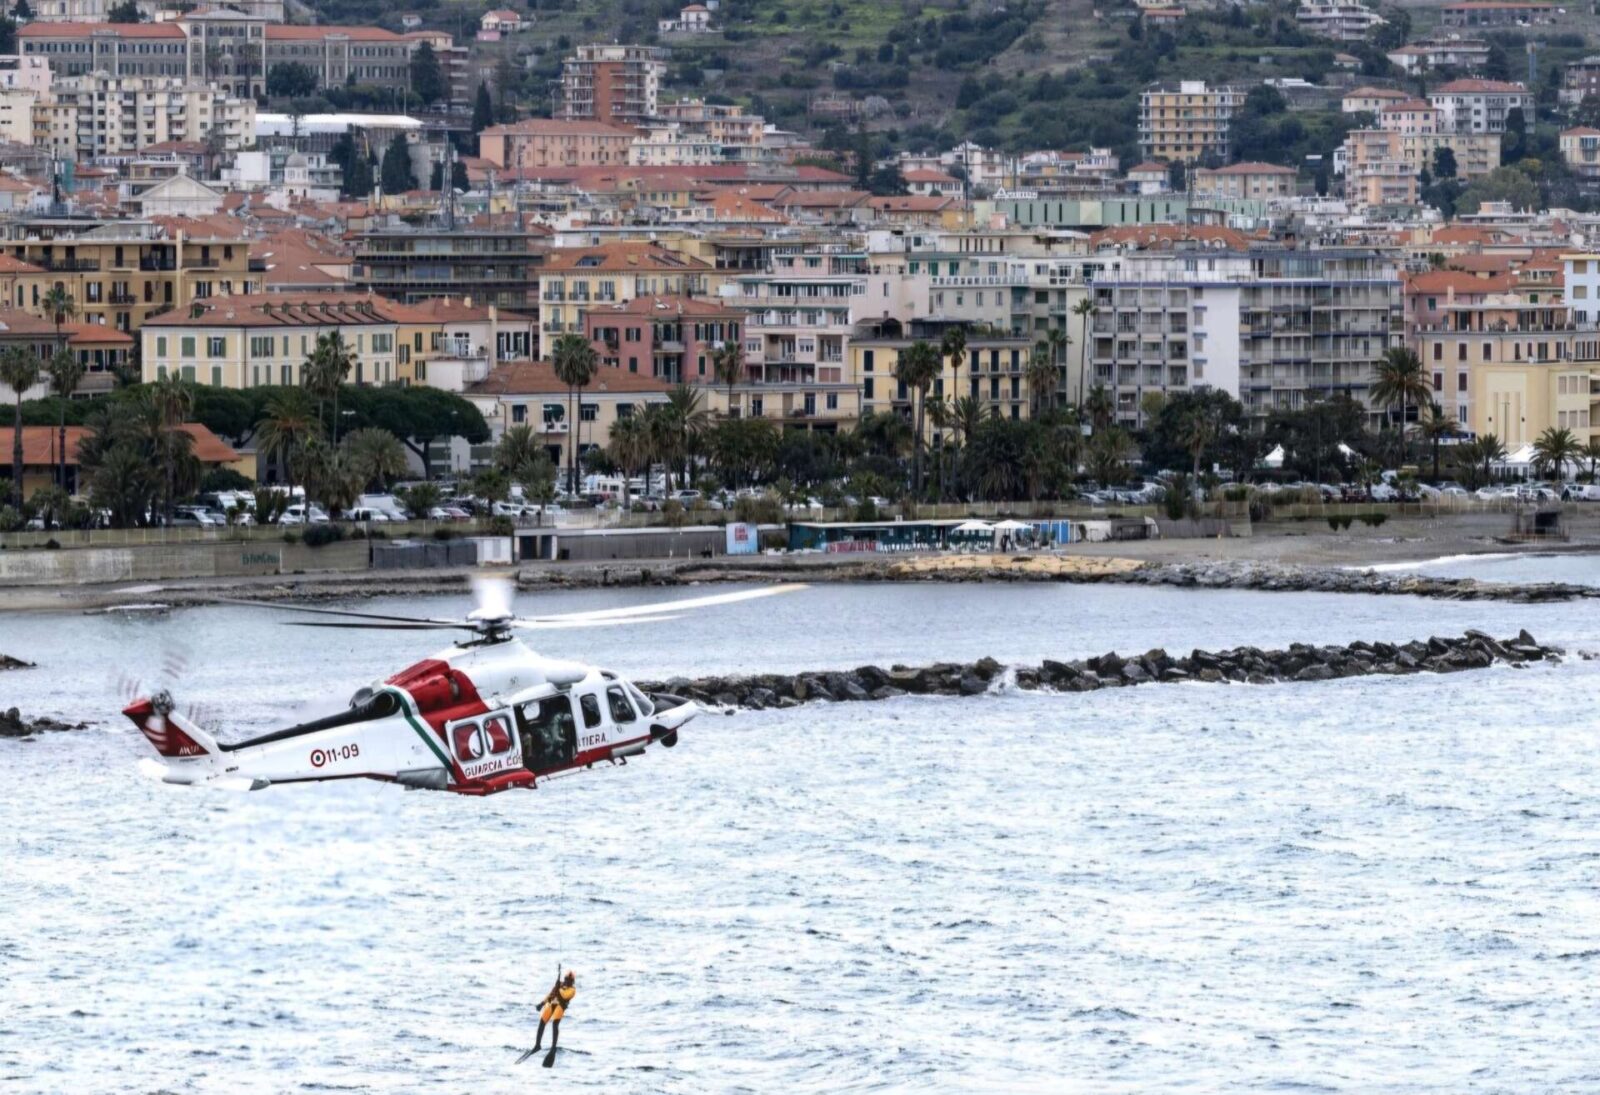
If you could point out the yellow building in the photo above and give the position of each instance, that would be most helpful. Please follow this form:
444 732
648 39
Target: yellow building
249 342
1517 401
121 278
1187 121
994 373
610 273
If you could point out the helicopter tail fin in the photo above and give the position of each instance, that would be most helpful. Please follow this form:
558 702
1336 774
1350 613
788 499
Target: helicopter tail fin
172 735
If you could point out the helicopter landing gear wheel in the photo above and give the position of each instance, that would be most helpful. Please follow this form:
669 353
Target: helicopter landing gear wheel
670 738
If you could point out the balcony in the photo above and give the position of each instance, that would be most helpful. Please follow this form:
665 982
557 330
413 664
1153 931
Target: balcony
555 427
69 266
117 296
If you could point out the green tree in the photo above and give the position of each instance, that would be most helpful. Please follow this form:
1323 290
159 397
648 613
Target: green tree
1554 449
1100 407
375 456
631 447
427 78
684 422
1083 310
915 367
727 361
324 373
482 110
1401 382
60 307
291 80
1434 429
574 361
395 174
66 372
125 12
171 400
1444 162
19 371
290 422
1108 455
1041 377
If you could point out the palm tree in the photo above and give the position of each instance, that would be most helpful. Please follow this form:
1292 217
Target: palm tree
1100 408
1434 429
375 455
574 360
915 367
288 425
1056 341
687 420
65 372
629 447
516 447
1196 433
1109 450
173 401
1083 310
1554 449
1041 376
19 371
60 307
325 371
1591 453
727 361
953 345
1490 449
1401 382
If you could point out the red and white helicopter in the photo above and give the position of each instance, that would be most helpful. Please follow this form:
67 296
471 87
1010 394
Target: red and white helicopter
483 716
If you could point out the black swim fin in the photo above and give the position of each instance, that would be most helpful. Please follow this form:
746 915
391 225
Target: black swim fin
550 1058
527 1054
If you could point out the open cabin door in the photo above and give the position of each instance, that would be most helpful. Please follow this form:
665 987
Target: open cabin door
549 733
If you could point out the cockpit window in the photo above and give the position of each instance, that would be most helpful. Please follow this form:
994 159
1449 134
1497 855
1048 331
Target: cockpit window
621 709
642 702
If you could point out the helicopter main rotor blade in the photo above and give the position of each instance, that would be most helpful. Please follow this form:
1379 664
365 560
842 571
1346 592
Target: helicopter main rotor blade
641 612
348 613
567 625
413 626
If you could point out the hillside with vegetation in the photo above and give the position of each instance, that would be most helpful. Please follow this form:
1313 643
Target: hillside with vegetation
1013 74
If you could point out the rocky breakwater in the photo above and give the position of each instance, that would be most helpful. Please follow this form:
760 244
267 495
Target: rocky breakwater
1241 665
1297 579
13 725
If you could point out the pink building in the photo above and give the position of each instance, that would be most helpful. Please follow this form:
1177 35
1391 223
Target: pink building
671 338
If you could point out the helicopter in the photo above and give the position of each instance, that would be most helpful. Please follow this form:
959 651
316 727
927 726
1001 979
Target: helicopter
482 716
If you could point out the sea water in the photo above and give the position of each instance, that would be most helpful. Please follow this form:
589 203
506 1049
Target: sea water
1377 884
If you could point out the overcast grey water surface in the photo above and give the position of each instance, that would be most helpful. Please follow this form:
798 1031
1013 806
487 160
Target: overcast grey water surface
1383 884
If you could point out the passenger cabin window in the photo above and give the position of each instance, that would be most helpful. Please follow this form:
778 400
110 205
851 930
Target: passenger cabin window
591 711
621 709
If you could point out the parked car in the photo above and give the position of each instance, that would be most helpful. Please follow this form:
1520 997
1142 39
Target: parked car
197 517
448 513
297 514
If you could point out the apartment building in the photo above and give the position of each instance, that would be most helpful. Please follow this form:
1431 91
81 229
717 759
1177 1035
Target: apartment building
115 49
1442 50
1479 106
1340 20
1370 100
1381 166
551 142
1272 328
671 338
615 84
498 266
1580 79
98 115
1494 13
97 11
102 351
251 341
1580 150
1261 181
737 135
369 56
121 273
528 393
994 373
573 279
1187 121
800 313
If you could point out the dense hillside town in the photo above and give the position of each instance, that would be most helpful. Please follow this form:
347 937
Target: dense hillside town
304 238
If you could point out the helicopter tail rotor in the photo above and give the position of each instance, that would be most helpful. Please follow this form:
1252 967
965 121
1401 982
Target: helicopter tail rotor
172 735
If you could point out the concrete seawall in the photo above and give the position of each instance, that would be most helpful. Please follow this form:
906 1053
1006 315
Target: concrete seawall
162 562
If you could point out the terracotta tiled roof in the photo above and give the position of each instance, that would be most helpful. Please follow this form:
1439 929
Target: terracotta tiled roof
14 321
556 127
1249 169
39 445
286 33
1459 87
1581 131
1376 93
1460 282
539 378
86 30
621 257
